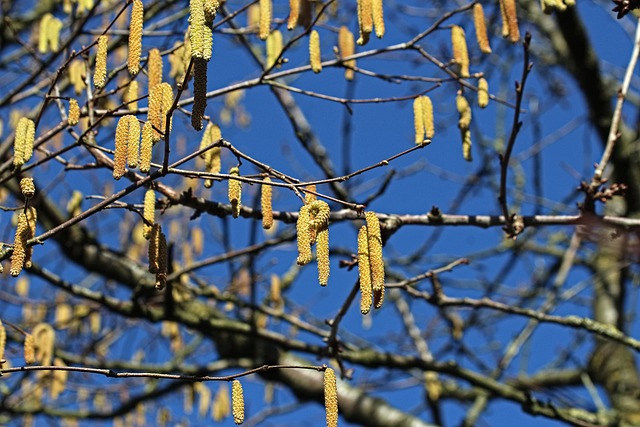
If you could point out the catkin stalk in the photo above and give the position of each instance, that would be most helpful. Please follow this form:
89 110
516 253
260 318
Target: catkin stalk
314 52
331 397
100 72
265 204
481 28
135 37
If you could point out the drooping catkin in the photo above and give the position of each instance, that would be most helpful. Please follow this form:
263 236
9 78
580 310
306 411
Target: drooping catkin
135 37
120 154
364 271
374 239
154 248
237 402
146 147
131 95
378 17
266 8
43 40
212 160
304 239
483 92
77 70
53 34
74 112
163 262
235 192
44 336
29 349
133 142
200 34
466 144
294 14
365 21
314 52
100 71
509 20
427 112
149 212
464 109
319 214
32 218
154 114
331 397
19 245
154 67
347 48
274 48
23 142
418 120
460 51
265 203
27 187
481 28
322 254
3 342
199 93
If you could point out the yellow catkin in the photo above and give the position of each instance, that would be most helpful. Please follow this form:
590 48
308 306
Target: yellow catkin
510 19
154 248
265 19
274 48
19 245
135 37
319 213
304 239
163 262
154 114
23 142
464 109
43 40
44 337
378 298
77 71
27 187
31 233
3 342
53 34
146 147
314 52
427 113
294 14
59 379
265 204
483 92
120 154
212 157
331 397
29 349
149 212
481 28
210 10
133 142
365 20
374 239
74 112
237 402
154 67
418 120
378 17
131 95
100 71
322 255
460 51
364 271
346 47
235 192
199 93
466 144
200 34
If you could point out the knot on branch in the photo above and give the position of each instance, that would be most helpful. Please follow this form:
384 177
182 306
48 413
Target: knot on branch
625 6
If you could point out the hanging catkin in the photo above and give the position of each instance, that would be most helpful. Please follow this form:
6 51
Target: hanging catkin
19 245
294 14
364 271
237 402
135 37
365 20
346 46
265 203
303 236
331 397
481 28
100 72
378 17
149 212
235 192
74 112
23 142
154 68
314 52
374 239
265 19
460 51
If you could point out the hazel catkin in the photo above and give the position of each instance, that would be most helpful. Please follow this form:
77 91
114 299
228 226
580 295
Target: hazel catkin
509 20
331 397
148 212
266 8
235 192
133 142
120 152
19 245
374 239
131 95
100 72
346 46
200 33
322 254
481 28
460 51
237 402
154 67
365 21
146 147
274 48
135 37
29 349
74 112
27 187
294 14
418 121
364 271
314 52
265 203
303 236
378 17
23 142
483 92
